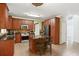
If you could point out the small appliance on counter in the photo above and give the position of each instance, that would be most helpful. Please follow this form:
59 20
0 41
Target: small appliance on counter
3 33
10 34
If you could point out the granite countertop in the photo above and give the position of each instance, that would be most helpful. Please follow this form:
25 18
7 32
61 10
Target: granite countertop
10 36
38 36
2 35
6 37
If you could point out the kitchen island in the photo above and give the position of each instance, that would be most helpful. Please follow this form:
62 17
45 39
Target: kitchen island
38 44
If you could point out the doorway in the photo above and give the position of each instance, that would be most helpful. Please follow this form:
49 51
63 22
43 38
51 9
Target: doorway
73 29
37 29
70 30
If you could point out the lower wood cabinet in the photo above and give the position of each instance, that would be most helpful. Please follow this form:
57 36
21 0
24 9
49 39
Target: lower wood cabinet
17 38
32 44
6 47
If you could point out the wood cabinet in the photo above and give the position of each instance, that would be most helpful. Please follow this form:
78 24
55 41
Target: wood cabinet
17 38
9 23
29 23
3 15
56 38
37 43
7 47
17 26
16 23
32 44
54 30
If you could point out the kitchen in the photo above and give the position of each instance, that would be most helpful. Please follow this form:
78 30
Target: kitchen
16 30
12 30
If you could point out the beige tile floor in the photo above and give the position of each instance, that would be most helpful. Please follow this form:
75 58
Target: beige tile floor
22 49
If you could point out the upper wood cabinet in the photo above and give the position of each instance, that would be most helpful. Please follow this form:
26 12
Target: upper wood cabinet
9 23
3 15
29 23
16 23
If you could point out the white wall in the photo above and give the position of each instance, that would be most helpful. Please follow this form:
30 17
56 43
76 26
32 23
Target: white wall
70 29
73 29
63 30
76 28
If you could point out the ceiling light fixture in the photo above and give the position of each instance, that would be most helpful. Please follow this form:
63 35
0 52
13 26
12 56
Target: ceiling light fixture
33 15
37 4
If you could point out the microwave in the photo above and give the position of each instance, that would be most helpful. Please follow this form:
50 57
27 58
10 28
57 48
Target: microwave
24 26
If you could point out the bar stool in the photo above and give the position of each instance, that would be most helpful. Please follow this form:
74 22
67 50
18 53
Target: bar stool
49 44
41 46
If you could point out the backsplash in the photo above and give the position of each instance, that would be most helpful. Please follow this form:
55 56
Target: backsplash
21 31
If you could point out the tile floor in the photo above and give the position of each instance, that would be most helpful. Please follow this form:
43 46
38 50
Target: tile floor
22 49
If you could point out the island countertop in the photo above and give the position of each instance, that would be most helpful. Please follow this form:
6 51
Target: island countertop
38 36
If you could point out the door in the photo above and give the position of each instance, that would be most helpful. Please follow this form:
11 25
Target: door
37 29
18 38
70 30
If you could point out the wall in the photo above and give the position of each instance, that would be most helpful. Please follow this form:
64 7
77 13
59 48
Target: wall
63 30
73 28
76 28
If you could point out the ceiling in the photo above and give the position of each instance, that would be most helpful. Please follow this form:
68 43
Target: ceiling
47 10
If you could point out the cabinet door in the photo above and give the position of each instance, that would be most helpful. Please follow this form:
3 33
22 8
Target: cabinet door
7 47
55 30
16 24
3 15
9 23
29 23
18 38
